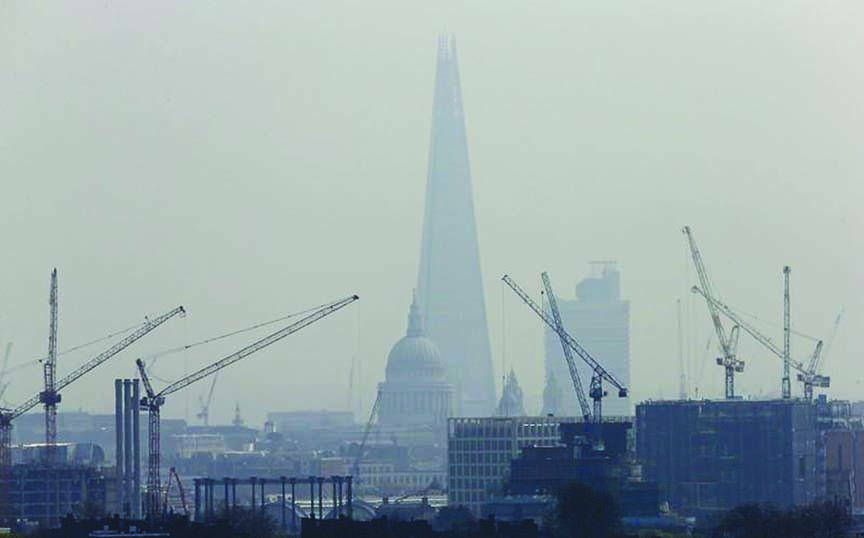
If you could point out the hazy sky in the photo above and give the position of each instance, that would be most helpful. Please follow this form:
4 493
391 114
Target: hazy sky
250 160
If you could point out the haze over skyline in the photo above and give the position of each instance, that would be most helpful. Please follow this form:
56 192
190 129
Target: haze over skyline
248 163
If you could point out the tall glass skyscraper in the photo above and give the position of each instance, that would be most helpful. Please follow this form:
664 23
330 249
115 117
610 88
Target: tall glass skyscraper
449 283
600 321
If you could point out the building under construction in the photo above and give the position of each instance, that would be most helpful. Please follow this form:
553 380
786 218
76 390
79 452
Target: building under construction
41 494
710 456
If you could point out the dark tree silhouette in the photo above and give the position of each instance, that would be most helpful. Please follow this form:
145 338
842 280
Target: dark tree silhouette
454 518
248 523
829 519
583 512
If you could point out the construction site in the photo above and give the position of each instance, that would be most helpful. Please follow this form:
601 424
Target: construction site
709 456
697 457
231 156
44 482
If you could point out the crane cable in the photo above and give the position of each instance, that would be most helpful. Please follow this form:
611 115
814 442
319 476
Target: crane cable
66 351
157 355
773 324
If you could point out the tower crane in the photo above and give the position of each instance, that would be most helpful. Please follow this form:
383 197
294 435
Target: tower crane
808 376
812 378
818 358
173 476
786 385
599 373
153 401
8 415
568 353
728 343
50 397
372 414
204 414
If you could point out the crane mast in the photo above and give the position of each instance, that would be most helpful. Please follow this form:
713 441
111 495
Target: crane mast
49 396
730 363
372 414
568 353
786 386
599 373
9 415
153 401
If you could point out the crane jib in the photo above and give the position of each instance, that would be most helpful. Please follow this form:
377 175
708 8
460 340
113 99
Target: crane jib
148 327
574 345
256 346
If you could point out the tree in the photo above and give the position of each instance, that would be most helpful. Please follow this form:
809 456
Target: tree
830 519
89 510
454 518
252 523
584 512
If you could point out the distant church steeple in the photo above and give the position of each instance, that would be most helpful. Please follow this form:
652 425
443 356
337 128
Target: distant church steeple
511 404
238 420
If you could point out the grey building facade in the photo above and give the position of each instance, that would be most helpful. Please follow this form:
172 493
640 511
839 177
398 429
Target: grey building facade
449 282
600 321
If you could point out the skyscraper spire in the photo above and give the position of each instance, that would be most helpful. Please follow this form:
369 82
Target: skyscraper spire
449 283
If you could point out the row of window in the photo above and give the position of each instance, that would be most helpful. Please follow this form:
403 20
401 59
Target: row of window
404 480
504 430
458 498
479 470
484 444
461 458
458 484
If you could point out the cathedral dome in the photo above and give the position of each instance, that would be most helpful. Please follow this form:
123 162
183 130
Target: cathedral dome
415 356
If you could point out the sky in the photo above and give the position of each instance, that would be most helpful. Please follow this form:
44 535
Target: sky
250 161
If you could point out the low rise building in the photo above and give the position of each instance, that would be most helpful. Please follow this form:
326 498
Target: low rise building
43 494
479 452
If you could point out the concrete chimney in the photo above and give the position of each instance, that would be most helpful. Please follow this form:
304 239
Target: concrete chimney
127 445
136 449
118 446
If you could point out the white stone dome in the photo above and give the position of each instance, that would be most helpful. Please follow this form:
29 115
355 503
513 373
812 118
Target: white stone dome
415 356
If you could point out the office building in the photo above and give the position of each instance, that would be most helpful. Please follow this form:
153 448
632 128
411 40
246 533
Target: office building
480 451
600 321
449 281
